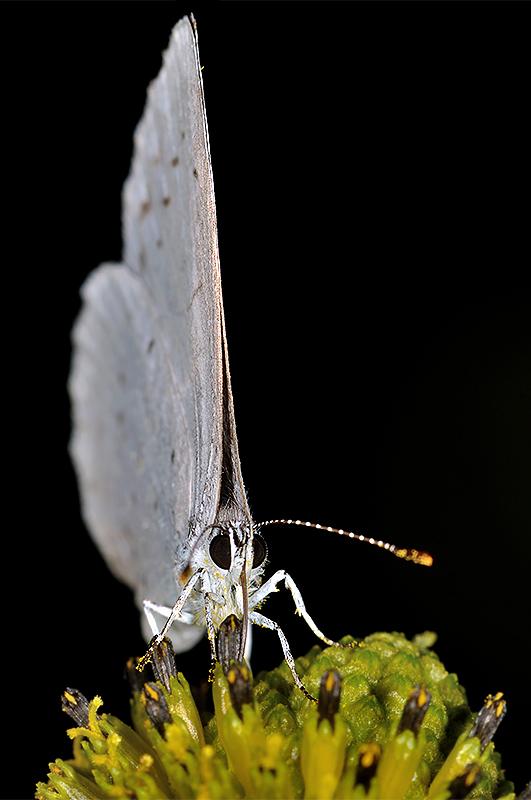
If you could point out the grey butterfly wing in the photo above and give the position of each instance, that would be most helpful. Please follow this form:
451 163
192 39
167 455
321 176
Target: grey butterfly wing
169 200
147 374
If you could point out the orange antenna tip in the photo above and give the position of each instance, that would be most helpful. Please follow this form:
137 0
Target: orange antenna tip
416 556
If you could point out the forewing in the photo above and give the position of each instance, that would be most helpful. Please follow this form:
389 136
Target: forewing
147 368
170 234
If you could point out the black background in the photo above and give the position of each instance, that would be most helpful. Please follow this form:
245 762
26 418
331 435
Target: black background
372 186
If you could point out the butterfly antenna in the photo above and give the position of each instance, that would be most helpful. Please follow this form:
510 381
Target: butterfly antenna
408 554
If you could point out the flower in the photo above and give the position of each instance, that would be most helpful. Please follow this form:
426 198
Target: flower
390 722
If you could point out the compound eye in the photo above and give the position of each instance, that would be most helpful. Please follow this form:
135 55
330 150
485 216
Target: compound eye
259 550
220 550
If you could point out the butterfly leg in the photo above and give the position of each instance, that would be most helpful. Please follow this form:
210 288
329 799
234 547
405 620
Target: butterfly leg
175 613
211 628
164 611
265 622
270 586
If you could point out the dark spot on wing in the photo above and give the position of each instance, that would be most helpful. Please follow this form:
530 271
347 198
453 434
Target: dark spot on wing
151 345
166 201
159 243
173 456
195 293
175 161
196 174
145 208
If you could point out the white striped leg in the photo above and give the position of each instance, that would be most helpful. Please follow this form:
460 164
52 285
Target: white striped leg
175 613
164 611
270 586
265 622
211 628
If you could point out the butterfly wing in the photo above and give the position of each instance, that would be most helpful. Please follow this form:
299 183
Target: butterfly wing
147 373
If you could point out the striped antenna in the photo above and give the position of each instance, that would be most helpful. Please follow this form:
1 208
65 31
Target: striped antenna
417 556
